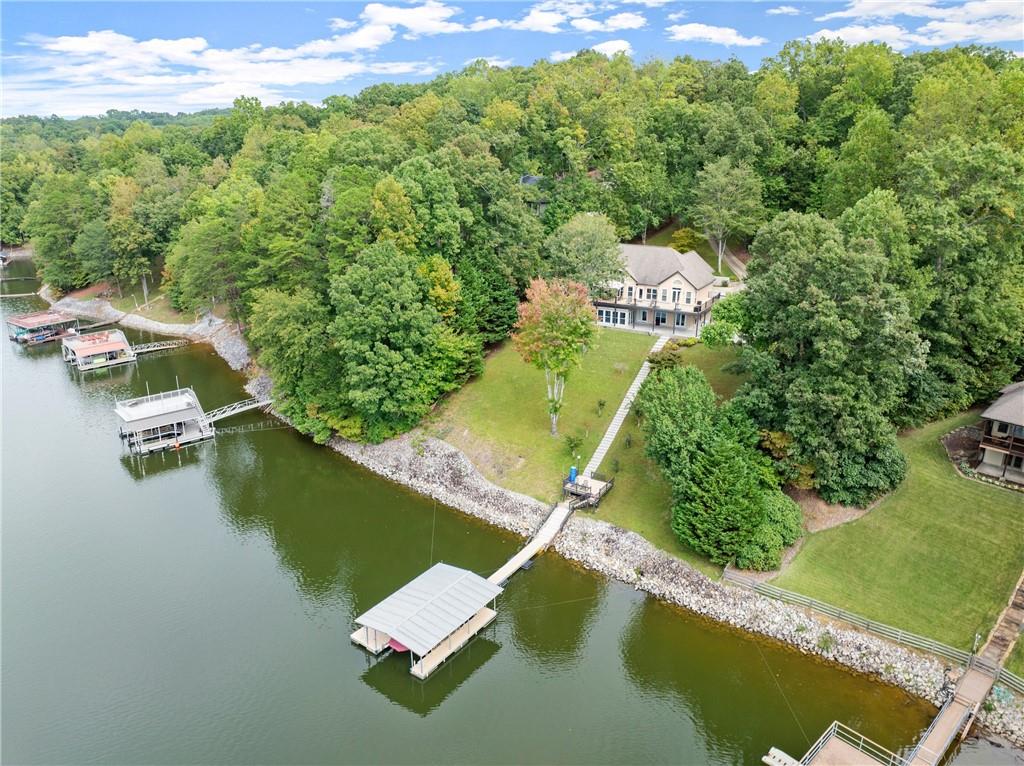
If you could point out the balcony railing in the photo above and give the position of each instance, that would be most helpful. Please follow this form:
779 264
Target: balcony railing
699 307
1012 444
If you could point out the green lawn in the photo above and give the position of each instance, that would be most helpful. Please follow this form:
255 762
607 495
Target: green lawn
704 249
500 419
641 497
1015 662
938 556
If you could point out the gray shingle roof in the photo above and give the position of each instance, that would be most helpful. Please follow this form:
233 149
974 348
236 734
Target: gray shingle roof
1008 408
422 613
652 265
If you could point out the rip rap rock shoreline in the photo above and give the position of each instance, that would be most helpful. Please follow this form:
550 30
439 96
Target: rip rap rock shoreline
225 338
434 468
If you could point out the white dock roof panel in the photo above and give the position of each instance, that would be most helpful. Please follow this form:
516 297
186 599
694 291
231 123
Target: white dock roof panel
426 611
158 409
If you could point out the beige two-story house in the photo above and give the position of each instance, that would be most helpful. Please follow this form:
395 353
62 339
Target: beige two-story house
662 290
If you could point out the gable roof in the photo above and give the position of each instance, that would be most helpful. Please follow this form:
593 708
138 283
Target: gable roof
425 611
1008 408
652 265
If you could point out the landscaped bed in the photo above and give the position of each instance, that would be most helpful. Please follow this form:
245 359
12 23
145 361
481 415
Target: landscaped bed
500 420
938 556
641 499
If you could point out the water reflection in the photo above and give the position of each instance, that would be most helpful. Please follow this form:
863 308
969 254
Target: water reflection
390 676
775 690
552 612
140 467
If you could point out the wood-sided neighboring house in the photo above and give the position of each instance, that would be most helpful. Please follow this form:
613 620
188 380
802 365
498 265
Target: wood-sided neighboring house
662 290
1002 439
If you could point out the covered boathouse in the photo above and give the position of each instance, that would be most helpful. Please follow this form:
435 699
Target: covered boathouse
41 327
98 349
432 617
161 421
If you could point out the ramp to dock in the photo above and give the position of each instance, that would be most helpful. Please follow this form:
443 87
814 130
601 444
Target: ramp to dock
954 718
551 526
161 345
236 408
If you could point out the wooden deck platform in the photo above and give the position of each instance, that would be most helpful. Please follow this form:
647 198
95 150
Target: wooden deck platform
836 752
459 638
371 640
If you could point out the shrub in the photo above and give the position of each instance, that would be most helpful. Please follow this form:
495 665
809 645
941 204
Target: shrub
573 442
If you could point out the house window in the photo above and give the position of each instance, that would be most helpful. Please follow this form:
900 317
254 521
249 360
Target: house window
600 315
680 319
1016 462
659 318
652 293
629 292
664 295
675 295
689 297
1002 428
643 315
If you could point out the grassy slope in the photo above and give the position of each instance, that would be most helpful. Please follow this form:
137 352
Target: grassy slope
938 556
500 419
704 249
641 497
1015 662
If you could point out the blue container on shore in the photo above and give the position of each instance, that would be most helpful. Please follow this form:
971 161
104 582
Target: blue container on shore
573 473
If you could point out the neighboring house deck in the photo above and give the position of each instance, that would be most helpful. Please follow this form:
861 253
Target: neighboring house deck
1002 440
662 290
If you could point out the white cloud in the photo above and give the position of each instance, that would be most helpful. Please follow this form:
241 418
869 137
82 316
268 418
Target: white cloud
557 56
496 61
337 23
611 47
892 35
648 3
540 21
711 34
429 18
783 10
614 23
677 15
975 21
90 73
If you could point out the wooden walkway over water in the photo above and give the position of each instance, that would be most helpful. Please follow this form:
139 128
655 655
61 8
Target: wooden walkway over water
542 538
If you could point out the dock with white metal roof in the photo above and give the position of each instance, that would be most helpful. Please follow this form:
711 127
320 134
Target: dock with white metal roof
435 615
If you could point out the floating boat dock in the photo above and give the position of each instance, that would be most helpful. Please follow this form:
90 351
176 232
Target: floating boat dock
431 617
41 327
94 351
173 419
439 612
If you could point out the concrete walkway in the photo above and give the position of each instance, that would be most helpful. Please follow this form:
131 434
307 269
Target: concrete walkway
622 411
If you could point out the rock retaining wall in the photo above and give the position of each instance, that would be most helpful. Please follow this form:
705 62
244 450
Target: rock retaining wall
438 470
223 336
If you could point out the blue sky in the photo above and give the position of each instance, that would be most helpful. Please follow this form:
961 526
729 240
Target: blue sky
84 58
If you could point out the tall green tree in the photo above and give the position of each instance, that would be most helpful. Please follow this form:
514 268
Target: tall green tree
830 346
585 249
397 356
727 202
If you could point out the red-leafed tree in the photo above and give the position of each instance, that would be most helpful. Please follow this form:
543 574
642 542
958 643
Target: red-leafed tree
555 327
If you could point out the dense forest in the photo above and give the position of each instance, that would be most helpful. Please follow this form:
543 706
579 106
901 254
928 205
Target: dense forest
373 246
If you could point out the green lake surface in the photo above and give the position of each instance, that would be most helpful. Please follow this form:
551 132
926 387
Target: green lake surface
195 607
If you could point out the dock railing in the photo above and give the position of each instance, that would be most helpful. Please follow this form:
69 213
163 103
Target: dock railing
854 739
879 628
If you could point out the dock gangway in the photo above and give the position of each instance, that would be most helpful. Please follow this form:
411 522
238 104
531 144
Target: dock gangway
236 408
160 345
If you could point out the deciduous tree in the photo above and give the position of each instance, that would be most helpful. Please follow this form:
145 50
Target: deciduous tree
556 325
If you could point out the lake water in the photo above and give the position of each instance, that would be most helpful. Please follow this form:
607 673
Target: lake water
195 607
